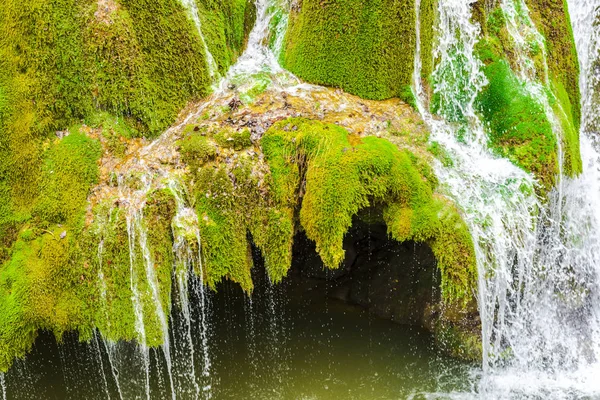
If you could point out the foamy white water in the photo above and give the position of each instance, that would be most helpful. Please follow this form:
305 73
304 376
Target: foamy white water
539 263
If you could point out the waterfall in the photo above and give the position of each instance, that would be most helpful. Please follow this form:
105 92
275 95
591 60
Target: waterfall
213 68
259 58
538 259
495 196
111 366
538 263
137 307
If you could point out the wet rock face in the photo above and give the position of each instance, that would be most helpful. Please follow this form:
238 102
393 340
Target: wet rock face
395 281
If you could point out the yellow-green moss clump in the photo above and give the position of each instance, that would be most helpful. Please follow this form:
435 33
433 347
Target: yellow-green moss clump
519 127
552 19
336 175
365 48
233 199
124 267
317 177
226 26
46 283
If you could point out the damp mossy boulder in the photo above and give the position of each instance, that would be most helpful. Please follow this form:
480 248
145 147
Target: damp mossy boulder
45 283
337 174
365 48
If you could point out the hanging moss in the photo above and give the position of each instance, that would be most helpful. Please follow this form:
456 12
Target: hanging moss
107 247
338 174
43 286
365 48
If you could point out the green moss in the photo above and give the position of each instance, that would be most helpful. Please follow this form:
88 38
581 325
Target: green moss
571 149
41 66
69 170
428 9
196 150
43 286
225 250
441 154
172 61
107 245
365 48
225 26
551 18
458 342
338 174
120 265
62 61
233 139
518 126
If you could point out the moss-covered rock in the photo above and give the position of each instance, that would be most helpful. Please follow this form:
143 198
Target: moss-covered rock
336 175
519 127
523 124
64 61
45 285
365 48
552 19
69 170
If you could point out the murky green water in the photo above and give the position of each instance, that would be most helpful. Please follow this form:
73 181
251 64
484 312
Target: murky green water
291 342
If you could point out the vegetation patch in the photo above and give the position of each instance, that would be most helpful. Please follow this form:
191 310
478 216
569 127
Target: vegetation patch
336 175
518 126
365 48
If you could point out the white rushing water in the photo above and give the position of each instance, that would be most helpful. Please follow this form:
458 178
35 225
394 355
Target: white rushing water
188 267
496 197
539 264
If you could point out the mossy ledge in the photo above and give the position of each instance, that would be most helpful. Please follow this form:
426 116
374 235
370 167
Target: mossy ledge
251 177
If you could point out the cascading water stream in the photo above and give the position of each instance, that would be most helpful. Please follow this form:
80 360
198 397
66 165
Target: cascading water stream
189 267
495 196
538 263
258 57
137 307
